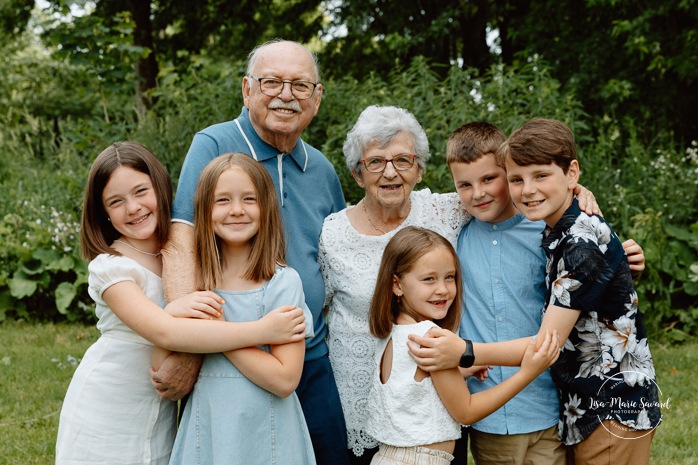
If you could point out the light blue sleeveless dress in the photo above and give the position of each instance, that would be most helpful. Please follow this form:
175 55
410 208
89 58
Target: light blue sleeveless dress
230 420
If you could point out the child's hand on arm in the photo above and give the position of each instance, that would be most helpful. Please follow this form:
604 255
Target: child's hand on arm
535 361
206 305
283 325
439 349
479 372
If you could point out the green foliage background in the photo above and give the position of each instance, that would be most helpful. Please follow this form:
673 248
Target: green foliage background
57 118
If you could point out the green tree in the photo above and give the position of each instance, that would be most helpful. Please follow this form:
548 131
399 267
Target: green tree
622 59
381 34
127 40
14 16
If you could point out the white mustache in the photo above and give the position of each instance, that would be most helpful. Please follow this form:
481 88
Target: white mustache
292 105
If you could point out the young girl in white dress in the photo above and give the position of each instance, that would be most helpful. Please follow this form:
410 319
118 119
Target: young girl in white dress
243 408
414 415
111 413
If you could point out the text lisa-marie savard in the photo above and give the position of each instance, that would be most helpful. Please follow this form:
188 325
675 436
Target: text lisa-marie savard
617 402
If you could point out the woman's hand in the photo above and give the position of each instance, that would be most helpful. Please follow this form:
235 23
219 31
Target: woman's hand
535 361
205 305
283 325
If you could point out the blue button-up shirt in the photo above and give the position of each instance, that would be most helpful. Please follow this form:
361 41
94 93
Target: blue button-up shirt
503 298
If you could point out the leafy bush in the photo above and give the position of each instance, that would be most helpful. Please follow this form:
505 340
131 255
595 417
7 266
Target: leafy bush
42 273
650 193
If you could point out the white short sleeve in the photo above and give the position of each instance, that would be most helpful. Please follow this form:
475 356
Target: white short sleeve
107 270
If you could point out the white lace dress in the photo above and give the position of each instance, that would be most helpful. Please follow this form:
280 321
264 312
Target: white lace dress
349 262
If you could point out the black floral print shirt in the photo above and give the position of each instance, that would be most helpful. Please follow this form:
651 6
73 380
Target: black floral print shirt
605 369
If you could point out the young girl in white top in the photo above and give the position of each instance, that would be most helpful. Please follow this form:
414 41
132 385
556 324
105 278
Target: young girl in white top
111 413
243 408
414 415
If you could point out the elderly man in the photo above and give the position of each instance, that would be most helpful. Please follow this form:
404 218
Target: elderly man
281 96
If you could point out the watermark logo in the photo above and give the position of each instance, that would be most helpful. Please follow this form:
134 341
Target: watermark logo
619 406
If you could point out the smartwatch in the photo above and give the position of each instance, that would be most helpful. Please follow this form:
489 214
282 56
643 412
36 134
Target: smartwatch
468 358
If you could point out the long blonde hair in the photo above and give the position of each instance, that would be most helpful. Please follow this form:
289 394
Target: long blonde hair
267 247
402 252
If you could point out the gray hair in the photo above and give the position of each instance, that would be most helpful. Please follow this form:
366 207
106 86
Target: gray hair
380 125
254 54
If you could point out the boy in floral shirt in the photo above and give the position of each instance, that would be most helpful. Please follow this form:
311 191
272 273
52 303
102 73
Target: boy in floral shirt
605 376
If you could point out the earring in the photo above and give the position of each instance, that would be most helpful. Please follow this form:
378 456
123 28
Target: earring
108 219
398 297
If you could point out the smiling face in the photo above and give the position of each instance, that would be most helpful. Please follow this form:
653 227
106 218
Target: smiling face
482 187
542 192
130 202
280 120
427 290
390 188
235 214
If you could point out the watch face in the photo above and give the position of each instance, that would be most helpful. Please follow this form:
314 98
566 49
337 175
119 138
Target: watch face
467 360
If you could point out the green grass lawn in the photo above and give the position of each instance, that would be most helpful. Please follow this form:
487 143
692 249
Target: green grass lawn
37 362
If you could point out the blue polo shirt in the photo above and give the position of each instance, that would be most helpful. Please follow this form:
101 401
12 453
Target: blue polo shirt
308 190
503 269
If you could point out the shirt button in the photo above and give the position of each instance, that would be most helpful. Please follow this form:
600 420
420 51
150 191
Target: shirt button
496 281
494 242
494 226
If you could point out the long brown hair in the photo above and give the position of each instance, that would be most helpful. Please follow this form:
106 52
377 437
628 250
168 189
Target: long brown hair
402 252
96 232
267 248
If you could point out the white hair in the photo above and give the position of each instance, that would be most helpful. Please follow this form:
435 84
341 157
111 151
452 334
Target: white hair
379 125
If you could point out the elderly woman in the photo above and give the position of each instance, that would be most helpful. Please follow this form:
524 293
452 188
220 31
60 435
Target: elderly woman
386 151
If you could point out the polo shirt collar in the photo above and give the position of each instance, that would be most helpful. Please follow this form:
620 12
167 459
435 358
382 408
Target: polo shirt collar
265 151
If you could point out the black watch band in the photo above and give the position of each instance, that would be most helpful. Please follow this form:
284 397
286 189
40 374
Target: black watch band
468 358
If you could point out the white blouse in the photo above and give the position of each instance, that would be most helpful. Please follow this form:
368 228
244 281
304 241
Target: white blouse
349 262
404 412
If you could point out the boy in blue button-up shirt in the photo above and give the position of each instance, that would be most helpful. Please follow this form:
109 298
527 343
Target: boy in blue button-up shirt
503 296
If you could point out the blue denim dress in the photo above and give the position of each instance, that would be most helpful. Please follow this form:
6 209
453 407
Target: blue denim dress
229 419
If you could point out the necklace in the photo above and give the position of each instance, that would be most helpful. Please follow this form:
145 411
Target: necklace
127 244
369 219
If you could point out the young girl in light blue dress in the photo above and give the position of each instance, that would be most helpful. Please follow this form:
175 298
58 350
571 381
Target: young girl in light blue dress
243 409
